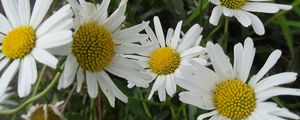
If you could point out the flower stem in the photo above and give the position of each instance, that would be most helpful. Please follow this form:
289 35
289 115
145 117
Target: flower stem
39 80
37 97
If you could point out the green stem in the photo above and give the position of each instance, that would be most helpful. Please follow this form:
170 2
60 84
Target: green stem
39 80
211 33
226 33
92 109
172 112
147 101
144 105
196 12
37 97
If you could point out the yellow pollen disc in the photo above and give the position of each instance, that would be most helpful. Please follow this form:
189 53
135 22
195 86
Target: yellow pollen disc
234 99
233 4
18 42
40 114
164 61
93 46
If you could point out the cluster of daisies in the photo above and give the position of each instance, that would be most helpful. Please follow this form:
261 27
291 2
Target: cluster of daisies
96 46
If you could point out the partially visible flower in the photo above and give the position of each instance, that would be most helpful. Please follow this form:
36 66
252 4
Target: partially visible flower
25 39
97 48
5 99
165 56
228 93
240 9
44 112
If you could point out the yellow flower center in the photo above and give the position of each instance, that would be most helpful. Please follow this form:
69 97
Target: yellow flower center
40 114
18 42
164 61
234 99
93 46
233 4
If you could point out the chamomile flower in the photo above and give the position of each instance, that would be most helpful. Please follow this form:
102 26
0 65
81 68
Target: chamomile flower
5 99
44 112
240 9
228 93
25 39
98 43
165 56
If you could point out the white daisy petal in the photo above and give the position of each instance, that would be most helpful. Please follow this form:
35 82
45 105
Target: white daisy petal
216 2
24 11
159 32
80 78
271 61
242 17
276 91
25 77
151 35
116 24
204 78
130 39
206 115
61 16
92 86
119 13
33 68
62 50
282 7
160 80
102 10
3 63
117 92
132 48
54 39
257 25
192 52
200 99
176 37
70 70
39 11
170 85
5 25
11 10
238 53
247 59
8 75
119 36
120 69
105 87
228 12
44 57
274 80
260 7
190 37
283 112
169 36
162 93
218 117
220 61
215 15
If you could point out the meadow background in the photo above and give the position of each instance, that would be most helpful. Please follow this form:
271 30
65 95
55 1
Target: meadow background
282 32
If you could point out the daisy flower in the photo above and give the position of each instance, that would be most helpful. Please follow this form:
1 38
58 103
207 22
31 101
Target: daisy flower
228 93
98 43
25 39
4 99
240 9
165 56
44 112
